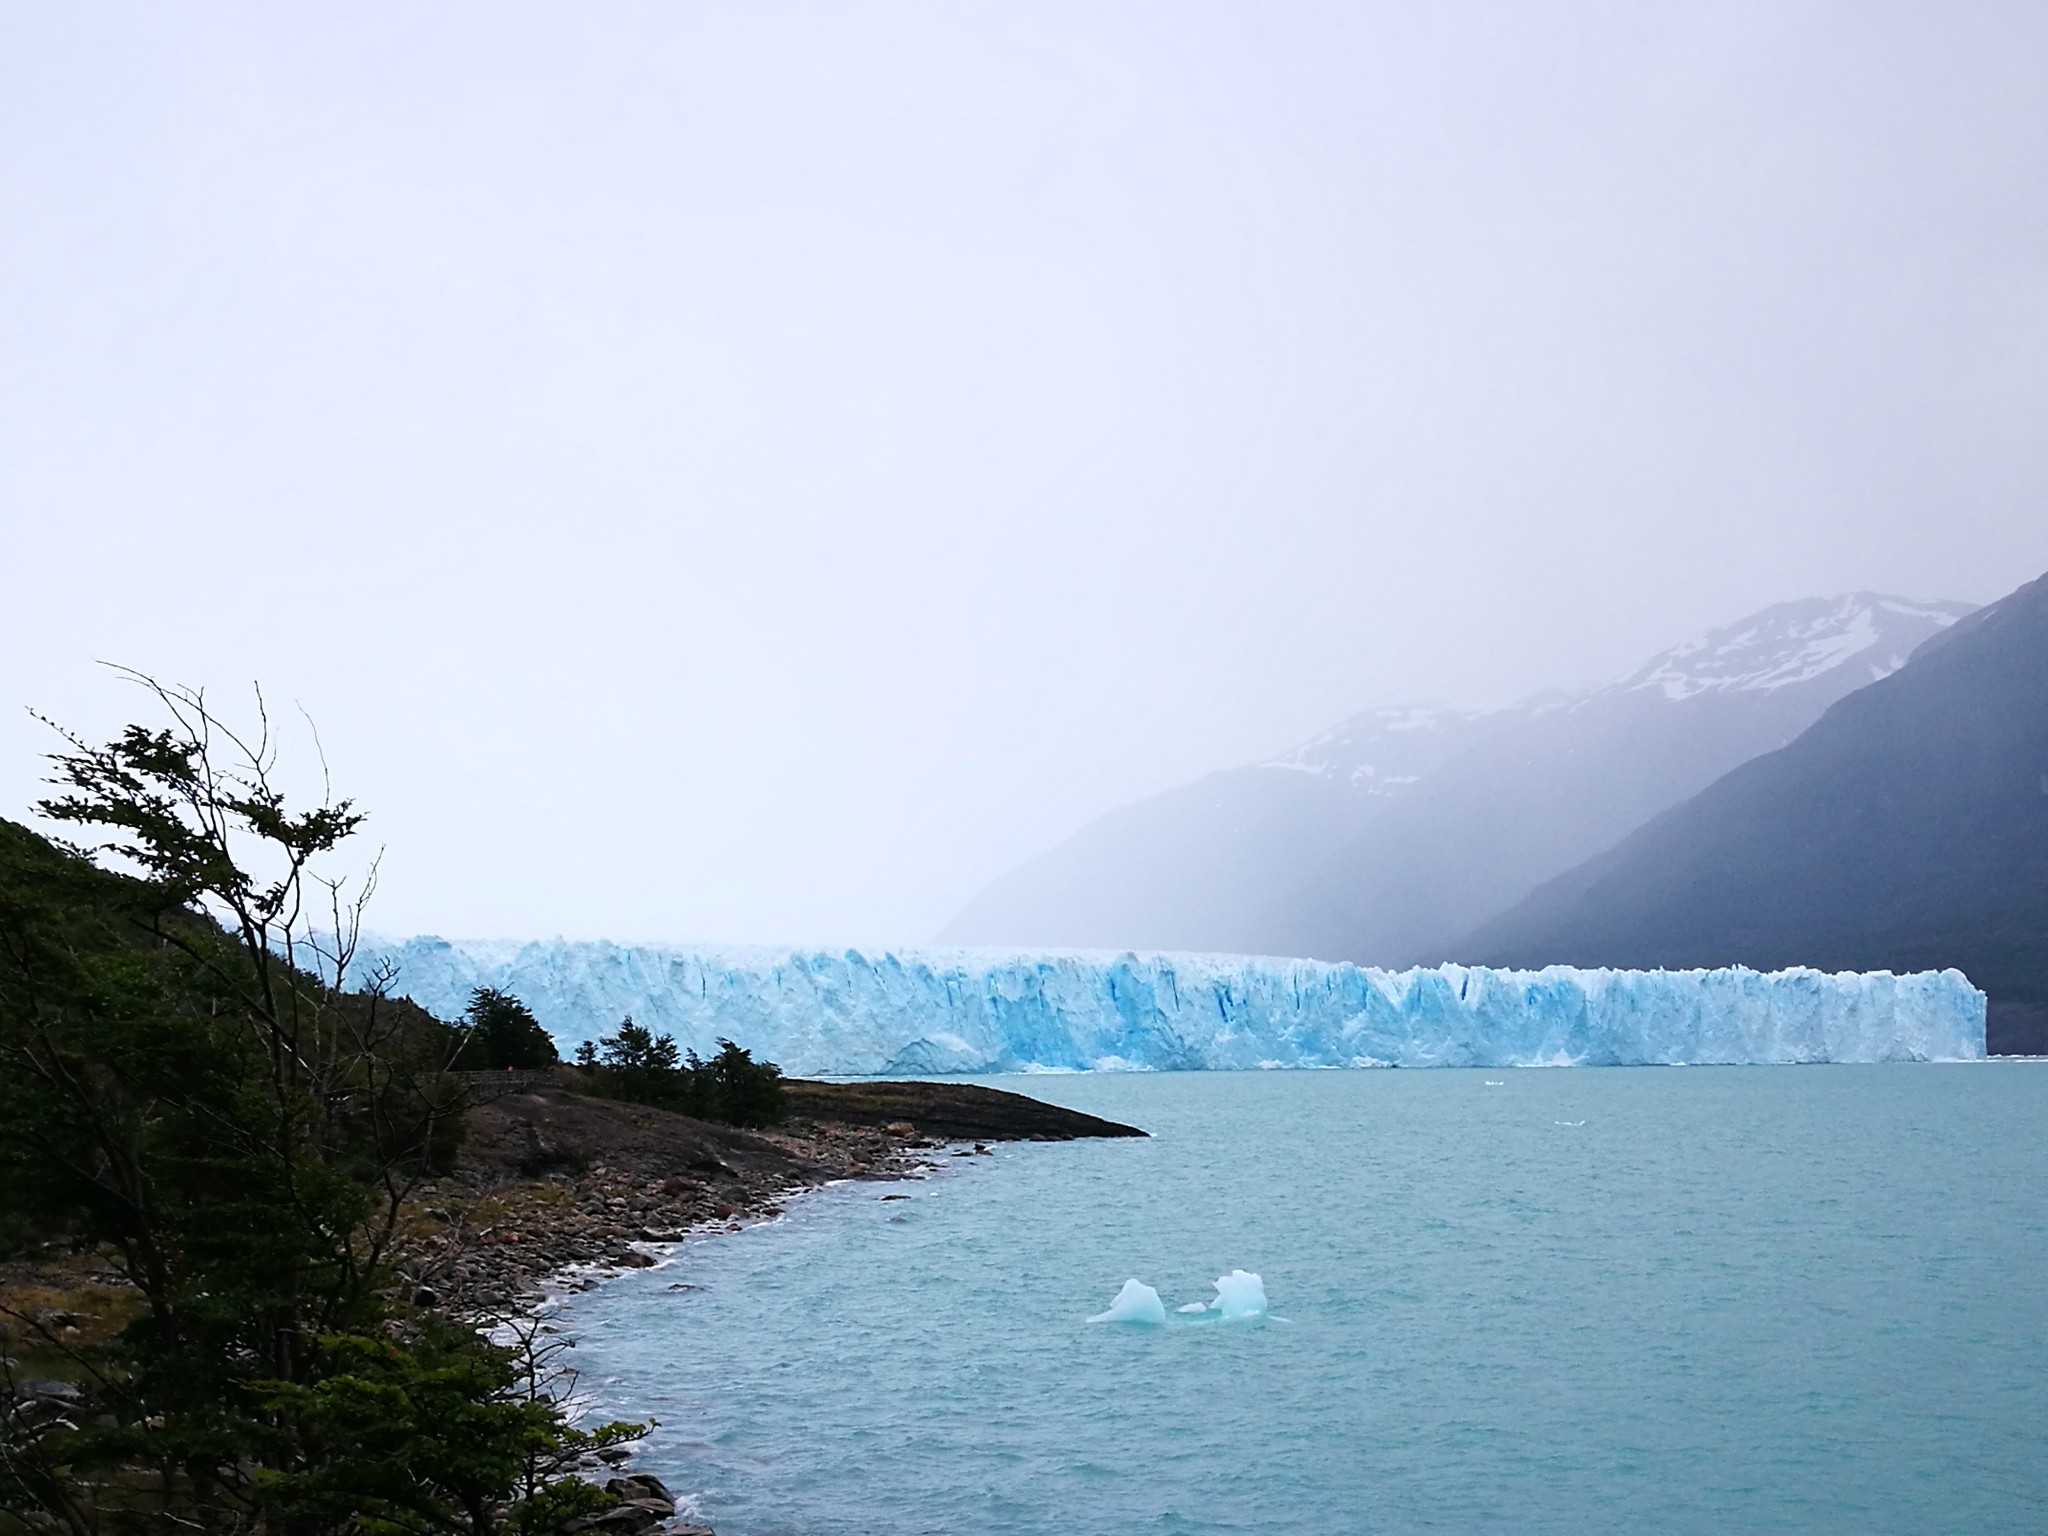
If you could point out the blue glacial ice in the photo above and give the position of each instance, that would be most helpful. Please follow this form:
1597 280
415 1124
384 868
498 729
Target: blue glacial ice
1137 1302
1240 1297
996 1011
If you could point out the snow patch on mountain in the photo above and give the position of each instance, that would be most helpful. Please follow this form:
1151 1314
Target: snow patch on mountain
1381 751
1794 643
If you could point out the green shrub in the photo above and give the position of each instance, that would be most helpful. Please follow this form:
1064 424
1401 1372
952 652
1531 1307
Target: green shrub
499 1031
645 1068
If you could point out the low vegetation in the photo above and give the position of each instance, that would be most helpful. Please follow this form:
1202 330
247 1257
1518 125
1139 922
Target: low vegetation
646 1068
205 1113
499 1033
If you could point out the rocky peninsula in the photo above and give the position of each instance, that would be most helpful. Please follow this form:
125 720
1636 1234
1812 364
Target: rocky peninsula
552 1182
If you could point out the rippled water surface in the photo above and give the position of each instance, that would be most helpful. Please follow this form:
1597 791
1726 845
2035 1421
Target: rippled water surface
1699 1300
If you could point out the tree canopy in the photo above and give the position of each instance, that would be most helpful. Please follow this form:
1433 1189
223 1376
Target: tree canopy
194 1087
635 1063
500 1031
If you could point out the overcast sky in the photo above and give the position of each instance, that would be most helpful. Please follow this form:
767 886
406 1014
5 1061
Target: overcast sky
756 471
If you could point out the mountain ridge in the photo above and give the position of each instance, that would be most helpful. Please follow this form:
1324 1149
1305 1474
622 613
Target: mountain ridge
1906 829
1388 836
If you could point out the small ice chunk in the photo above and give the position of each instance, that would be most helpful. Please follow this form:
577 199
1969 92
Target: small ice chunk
1137 1302
1194 1306
1240 1294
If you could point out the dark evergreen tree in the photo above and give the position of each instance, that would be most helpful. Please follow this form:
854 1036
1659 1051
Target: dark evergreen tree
735 1088
637 1064
635 1048
499 1031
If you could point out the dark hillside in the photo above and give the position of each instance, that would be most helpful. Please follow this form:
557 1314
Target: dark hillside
1907 829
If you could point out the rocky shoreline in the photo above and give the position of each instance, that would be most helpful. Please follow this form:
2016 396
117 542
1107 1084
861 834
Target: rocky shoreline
554 1189
488 1250
554 1184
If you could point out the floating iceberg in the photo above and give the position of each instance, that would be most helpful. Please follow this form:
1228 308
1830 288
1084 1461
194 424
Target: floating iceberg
992 1011
1137 1302
1239 1294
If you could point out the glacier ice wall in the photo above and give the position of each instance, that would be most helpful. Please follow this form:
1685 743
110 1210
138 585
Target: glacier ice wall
991 1011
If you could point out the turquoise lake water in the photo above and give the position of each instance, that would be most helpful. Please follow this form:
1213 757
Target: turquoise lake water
1697 1300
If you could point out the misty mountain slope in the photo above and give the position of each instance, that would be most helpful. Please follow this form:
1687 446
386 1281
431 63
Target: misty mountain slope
1907 829
1508 814
1210 866
1393 834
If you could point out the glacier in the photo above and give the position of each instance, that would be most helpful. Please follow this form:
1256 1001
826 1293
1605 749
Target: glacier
981 1011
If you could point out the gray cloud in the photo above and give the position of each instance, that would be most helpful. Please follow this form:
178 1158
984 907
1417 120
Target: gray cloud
755 472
